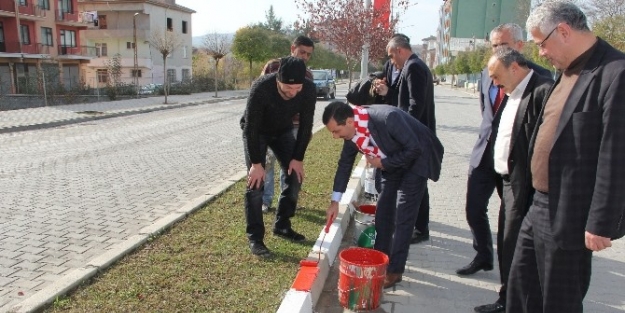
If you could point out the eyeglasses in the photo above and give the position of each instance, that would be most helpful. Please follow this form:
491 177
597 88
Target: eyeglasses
542 43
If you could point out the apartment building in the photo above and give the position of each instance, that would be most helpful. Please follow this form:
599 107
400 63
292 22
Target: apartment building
39 39
125 28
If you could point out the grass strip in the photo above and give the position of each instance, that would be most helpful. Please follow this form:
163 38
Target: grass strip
203 263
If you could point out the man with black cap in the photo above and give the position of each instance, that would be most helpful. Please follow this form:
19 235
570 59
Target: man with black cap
273 101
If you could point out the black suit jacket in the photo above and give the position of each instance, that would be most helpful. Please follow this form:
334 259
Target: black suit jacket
524 123
486 108
587 159
407 144
414 91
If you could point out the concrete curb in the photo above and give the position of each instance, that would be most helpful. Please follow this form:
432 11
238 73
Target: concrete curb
308 284
114 114
78 276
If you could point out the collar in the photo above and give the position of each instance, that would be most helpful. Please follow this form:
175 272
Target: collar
517 93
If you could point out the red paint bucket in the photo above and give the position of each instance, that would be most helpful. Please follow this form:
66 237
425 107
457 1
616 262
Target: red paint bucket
361 278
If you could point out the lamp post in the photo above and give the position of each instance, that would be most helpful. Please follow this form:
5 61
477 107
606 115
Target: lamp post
136 60
364 60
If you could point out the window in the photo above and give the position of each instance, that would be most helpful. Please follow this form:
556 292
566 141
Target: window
100 49
66 6
103 75
136 73
186 73
171 75
130 45
101 22
25 34
184 27
170 24
46 36
44 4
184 52
68 38
23 3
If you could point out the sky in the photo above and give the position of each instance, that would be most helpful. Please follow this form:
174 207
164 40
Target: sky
418 22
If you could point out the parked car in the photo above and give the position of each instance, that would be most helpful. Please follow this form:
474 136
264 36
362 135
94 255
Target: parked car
149 89
326 87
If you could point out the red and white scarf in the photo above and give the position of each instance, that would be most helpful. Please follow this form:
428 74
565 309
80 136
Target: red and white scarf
363 137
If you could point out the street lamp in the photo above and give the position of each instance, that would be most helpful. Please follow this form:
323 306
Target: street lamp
136 60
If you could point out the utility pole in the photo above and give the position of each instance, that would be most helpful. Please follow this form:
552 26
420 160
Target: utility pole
364 62
136 59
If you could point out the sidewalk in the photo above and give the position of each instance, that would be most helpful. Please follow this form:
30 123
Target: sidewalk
54 116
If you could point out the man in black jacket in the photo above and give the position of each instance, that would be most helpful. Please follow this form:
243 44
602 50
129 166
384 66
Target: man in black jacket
268 122
514 122
482 178
412 90
577 165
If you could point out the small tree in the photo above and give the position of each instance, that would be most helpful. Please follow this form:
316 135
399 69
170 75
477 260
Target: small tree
273 23
114 71
165 42
250 44
217 46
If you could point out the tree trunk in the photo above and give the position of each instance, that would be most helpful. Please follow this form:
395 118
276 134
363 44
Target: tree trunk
216 77
251 75
165 81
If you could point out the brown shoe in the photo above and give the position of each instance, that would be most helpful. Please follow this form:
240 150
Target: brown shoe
391 279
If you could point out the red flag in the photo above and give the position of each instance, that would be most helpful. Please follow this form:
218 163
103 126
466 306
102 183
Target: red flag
382 9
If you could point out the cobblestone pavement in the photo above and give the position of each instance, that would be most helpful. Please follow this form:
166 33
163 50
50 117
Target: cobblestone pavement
74 193
430 283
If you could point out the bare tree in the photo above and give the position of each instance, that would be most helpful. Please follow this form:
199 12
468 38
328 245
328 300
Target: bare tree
217 46
346 25
166 42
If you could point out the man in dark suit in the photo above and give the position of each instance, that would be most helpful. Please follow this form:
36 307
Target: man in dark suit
413 92
577 165
483 179
406 152
513 125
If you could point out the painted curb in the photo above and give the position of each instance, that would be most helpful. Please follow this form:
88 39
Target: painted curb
324 252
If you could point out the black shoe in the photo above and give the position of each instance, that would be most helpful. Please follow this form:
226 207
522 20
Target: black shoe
490 308
474 267
259 249
418 237
289 233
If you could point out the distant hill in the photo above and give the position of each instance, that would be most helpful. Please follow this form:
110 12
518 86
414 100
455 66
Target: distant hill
198 41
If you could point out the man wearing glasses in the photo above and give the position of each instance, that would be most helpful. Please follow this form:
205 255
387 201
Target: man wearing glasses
577 165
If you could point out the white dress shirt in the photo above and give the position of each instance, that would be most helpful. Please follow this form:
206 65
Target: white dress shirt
504 132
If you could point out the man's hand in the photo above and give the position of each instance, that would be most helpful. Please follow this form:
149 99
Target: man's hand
375 162
297 167
597 243
332 211
255 176
380 86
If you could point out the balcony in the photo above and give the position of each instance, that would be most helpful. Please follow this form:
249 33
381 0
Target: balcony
81 52
7 8
32 12
70 19
31 48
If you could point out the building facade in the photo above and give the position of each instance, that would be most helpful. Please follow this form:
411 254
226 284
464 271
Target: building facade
39 40
125 28
465 24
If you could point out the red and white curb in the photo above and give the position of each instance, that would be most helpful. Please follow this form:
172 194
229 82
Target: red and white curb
308 284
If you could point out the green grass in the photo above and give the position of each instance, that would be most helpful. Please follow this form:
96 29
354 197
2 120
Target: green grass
203 263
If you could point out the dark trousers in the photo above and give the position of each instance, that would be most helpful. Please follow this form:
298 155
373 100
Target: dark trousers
482 181
423 218
510 220
282 146
397 209
543 277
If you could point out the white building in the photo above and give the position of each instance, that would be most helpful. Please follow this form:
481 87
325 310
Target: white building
124 27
